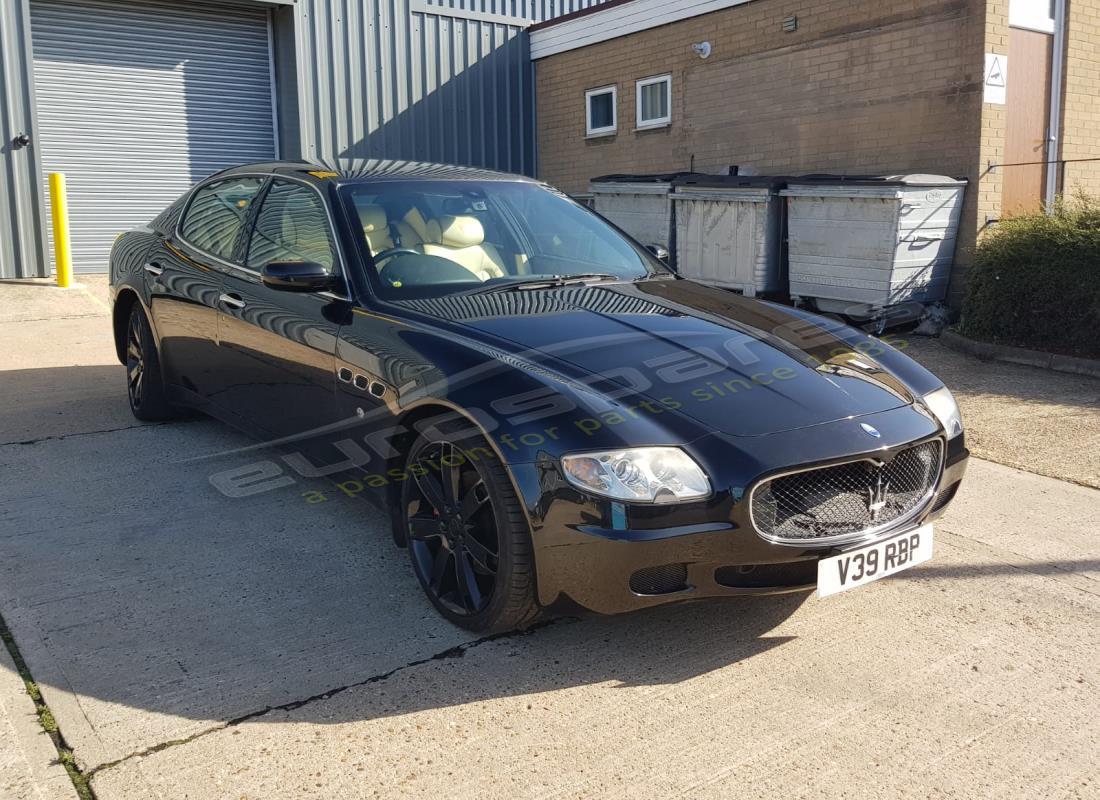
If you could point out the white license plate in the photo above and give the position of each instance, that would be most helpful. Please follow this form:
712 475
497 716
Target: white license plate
865 564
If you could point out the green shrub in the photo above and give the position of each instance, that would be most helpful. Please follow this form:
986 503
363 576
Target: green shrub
1035 282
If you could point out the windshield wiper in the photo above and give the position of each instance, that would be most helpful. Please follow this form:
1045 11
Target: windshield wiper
546 282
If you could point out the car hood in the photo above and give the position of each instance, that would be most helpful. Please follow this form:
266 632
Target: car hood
738 366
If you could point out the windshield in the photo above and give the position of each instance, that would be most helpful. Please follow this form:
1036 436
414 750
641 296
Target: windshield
428 238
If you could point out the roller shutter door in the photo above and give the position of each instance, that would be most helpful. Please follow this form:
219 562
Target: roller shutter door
138 100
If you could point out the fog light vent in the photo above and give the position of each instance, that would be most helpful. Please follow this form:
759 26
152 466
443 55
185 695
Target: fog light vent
660 580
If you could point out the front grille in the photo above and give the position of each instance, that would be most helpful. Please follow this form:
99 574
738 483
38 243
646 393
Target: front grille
665 579
847 500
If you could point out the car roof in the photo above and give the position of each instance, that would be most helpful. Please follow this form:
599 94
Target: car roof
374 170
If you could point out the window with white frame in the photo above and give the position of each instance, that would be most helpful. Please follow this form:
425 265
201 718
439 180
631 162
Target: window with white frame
654 101
601 114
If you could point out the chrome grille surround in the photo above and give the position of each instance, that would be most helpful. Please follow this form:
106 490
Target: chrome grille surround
831 504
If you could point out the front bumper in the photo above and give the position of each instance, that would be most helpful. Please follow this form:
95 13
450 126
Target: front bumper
677 553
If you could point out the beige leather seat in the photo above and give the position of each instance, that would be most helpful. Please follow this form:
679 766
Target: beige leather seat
376 228
411 230
462 240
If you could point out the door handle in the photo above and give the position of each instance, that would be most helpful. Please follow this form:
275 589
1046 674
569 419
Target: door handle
231 300
154 269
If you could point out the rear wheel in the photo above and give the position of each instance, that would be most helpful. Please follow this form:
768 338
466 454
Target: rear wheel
468 538
144 382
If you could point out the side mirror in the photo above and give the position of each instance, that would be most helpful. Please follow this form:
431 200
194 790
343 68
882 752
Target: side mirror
659 252
297 276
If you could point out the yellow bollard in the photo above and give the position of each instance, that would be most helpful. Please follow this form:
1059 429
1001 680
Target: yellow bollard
62 251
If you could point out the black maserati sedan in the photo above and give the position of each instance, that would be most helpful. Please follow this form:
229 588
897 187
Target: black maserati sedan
550 416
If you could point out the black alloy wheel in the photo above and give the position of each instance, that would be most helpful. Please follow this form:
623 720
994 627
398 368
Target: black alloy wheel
468 539
144 382
135 363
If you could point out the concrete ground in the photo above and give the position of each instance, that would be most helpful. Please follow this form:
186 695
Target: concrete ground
195 646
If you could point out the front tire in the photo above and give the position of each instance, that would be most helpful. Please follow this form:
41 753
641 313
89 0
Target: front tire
468 538
144 380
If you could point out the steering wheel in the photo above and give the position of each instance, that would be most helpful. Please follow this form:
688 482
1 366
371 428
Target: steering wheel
385 255
424 270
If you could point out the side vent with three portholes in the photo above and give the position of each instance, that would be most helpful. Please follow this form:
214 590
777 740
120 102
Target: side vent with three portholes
361 382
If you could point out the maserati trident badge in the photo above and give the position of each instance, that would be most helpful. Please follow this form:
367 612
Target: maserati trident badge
870 430
876 497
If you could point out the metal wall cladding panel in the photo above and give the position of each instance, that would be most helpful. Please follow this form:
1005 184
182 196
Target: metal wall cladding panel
643 211
729 238
380 80
138 100
22 254
533 10
393 79
875 246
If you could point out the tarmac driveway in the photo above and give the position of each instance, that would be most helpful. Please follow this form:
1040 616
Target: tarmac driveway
195 645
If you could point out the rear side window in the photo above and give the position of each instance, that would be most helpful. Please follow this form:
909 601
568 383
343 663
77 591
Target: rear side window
292 226
165 222
217 214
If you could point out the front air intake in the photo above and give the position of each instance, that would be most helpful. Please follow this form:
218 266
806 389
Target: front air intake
665 579
768 576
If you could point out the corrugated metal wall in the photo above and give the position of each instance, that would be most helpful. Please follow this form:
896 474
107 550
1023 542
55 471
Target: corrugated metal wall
430 80
380 80
533 10
21 229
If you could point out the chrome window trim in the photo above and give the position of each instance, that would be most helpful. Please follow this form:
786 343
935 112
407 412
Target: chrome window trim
266 176
858 536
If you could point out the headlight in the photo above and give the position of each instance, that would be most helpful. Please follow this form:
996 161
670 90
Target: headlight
943 405
640 475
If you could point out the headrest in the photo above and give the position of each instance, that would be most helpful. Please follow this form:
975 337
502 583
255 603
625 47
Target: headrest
415 220
373 218
460 232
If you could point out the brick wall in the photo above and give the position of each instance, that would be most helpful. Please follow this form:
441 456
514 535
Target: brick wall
862 86
986 185
1081 120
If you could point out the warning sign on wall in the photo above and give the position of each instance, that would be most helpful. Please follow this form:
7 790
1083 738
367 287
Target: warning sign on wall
996 78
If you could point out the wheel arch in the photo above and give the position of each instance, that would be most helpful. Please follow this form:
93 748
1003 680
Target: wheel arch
407 432
120 317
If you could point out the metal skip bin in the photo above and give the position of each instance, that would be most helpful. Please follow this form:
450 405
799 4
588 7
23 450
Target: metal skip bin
860 244
639 204
729 232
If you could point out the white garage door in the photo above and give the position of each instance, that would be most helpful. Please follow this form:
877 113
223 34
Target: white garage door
137 100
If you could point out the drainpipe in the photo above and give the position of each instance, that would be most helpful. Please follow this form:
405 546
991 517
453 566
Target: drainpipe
1054 124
